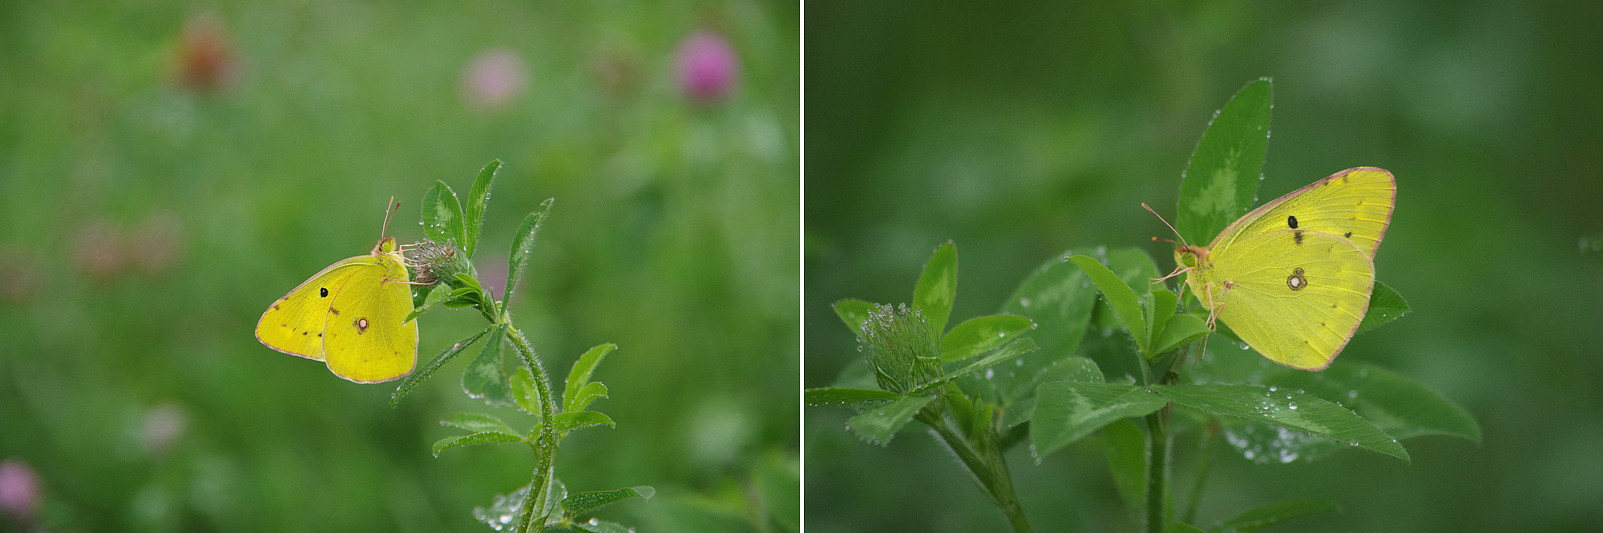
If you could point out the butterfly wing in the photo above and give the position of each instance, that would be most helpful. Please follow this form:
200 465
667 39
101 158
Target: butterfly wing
1355 204
1296 296
366 339
294 323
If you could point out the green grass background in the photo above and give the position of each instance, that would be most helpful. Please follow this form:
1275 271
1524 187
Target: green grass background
144 226
1024 130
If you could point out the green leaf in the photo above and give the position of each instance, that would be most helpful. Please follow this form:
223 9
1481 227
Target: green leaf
476 422
436 295
1066 411
428 369
1275 513
579 375
485 378
937 286
1222 177
880 424
1160 306
1178 331
601 526
591 392
854 313
1074 368
478 197
1385 306
474 439
504 508
1135 267
1396 404
442 214
566 422
1058 298
1289 409
1126 447
981 334
582 503
523 246
1182 527
597 525
524 393
1007 352
847 396
1118 295
776 480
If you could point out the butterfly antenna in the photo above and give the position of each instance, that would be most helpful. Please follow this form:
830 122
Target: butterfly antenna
1178 269
1166 223
389 211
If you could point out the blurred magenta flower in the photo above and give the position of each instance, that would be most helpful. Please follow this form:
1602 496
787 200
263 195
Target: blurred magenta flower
19 490
164 426
493 78
707 67
206 58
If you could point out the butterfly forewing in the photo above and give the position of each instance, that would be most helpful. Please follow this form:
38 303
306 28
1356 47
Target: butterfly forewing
1355 204
365 339
1296 296
294 323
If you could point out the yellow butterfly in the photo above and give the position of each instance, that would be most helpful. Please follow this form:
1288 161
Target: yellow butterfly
1292 278
351 315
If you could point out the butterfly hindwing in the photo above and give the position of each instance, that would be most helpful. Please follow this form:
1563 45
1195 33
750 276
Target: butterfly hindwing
365 337
1296 296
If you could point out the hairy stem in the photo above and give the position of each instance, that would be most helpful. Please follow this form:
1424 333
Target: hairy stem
1157 470
1209 433
988 469
545 446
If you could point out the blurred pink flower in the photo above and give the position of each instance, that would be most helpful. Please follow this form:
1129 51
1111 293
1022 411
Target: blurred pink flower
158 243
493 78
20 274
206 59
707 67
163 427
98 250
19 489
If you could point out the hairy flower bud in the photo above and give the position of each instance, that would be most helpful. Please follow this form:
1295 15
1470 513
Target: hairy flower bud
902 348
432 262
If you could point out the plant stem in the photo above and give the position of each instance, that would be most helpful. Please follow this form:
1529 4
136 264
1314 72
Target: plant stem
989 471
1209 434
1158 471
545 446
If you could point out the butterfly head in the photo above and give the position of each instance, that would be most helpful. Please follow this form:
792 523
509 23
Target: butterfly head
1189 257
385 246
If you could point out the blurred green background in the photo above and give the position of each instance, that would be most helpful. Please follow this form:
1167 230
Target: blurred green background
169 170
1021 131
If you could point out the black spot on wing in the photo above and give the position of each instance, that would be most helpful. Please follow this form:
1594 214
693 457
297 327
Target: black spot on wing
1348 235
1297 236
323 291
1291 220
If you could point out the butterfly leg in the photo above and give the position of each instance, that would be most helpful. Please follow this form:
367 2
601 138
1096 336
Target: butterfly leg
1178 270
